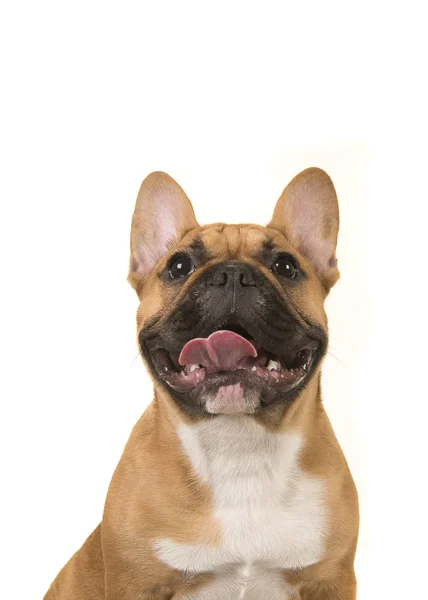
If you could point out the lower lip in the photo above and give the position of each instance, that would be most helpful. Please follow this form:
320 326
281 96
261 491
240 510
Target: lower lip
200 377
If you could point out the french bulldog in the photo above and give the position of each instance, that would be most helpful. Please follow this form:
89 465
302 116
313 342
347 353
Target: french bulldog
232 484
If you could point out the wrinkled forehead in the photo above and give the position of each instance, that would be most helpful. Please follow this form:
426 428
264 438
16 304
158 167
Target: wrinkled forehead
236 242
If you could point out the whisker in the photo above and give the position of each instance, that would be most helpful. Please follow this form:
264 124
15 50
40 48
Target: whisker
338 359
138 354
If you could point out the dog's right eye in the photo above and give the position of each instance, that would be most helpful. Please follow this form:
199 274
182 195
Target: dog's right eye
179 266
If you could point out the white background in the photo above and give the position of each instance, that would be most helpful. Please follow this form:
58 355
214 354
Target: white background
232 100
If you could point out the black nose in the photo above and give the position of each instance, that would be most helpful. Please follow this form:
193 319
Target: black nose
232 275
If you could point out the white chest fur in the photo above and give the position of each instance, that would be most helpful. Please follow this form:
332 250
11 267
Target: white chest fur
272 515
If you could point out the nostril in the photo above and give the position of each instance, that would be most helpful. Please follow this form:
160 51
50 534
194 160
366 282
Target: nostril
246 279
220 279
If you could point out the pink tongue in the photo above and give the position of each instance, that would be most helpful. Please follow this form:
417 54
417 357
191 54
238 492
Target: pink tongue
221 351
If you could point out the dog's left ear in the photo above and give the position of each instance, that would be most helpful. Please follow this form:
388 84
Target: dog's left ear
308 214
163 214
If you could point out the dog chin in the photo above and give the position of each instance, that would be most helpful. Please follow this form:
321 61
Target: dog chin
232 399
229 393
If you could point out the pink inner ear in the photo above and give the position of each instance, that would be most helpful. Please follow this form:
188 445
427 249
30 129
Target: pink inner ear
162 228
306 229
319 252
163 213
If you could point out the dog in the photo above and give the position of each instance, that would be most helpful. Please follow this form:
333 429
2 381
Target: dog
232 484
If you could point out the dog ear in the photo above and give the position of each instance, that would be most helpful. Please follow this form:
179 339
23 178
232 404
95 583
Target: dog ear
308 214
163 214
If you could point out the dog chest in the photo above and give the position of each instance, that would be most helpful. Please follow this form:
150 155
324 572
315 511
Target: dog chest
271 514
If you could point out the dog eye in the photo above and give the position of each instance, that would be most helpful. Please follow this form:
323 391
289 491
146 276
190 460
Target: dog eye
180 265
285 266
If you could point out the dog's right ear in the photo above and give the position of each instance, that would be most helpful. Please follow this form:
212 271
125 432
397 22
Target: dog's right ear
163 214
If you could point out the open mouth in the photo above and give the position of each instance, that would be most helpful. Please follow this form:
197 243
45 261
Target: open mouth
231 349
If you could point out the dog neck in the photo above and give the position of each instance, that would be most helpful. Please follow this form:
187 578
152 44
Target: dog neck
233 472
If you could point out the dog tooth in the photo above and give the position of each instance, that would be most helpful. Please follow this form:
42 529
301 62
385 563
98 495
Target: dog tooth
193 368
273 365
254 368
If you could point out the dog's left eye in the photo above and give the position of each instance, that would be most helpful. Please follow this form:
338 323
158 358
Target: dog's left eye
285 266
180 265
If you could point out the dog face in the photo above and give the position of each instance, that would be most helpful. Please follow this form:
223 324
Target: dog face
231 317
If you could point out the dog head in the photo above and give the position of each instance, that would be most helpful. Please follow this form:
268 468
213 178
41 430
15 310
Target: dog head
231 317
